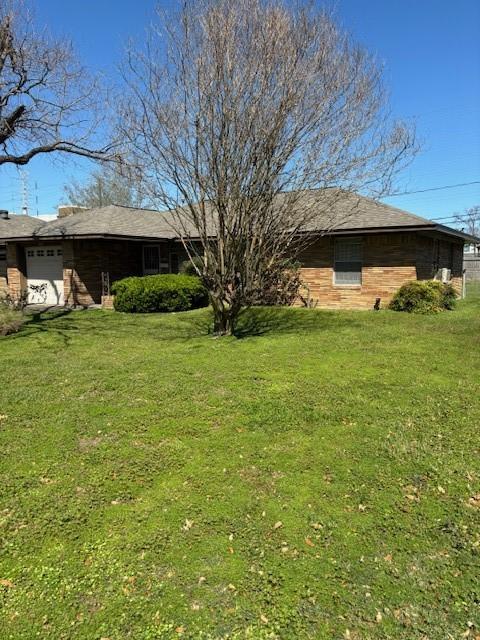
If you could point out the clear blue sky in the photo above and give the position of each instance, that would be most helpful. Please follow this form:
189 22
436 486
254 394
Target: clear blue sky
430 50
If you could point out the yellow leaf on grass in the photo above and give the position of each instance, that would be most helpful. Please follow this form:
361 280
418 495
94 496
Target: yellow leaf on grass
6 583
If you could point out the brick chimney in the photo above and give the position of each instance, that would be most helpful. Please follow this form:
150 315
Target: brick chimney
65 210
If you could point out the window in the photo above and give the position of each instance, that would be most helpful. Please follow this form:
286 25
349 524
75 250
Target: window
151 259
30 253
59 252
174 262
3 252
50 252
40 253
155 260
348 261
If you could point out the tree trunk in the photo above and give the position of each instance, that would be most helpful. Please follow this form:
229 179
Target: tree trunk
224 317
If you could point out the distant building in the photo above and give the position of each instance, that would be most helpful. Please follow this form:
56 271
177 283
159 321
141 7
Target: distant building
471 249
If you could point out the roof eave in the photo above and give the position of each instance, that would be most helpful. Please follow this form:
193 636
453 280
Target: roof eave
459 234
85 236
323 232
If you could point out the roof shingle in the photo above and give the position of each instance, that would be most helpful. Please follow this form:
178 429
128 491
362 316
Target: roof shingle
350 212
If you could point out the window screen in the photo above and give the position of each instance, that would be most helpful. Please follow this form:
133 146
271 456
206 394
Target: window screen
348 261
155 259
174 262
151 259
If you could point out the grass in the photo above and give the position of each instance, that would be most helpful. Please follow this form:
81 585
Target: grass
317 478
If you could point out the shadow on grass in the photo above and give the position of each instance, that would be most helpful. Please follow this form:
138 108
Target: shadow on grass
256 321
40 322
259 321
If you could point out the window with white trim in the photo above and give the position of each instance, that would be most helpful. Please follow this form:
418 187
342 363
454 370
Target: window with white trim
348 261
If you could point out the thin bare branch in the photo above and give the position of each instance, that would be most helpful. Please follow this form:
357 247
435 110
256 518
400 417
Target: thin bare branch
48 101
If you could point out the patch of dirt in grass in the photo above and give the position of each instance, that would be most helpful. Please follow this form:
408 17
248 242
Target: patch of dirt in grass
261 480
86 444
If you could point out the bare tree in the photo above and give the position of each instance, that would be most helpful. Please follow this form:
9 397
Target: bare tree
107 185
248 106
469 221
48 101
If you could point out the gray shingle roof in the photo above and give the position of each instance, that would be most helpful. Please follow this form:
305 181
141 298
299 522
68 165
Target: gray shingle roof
351 213
19 226
112 220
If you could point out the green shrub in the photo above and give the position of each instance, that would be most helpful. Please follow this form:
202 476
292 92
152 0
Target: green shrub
149 294
188 266
424 296
10 320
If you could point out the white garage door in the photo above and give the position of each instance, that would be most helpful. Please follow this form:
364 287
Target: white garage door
45 275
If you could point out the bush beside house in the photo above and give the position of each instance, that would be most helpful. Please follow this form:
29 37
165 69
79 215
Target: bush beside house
424 296
150 294
189 267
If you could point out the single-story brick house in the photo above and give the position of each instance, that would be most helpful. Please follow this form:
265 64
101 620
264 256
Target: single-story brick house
368 255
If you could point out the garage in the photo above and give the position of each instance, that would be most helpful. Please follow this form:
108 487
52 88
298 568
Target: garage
45 275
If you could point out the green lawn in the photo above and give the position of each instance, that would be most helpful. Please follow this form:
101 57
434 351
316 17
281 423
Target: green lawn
314 479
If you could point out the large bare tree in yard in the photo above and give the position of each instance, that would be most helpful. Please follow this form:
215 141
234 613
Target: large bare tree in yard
235 110
48 101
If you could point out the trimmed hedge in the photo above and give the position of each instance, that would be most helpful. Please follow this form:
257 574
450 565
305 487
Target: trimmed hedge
150 294
424 296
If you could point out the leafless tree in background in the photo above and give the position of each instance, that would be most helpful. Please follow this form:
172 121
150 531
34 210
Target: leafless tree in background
48 101
233 111
469 221
106 185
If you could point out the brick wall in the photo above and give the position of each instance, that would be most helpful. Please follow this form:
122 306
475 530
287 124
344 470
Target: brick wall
457 266
84 261
16 269
434 254
389 260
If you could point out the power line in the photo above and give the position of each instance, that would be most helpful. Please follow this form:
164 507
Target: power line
447 186
458 220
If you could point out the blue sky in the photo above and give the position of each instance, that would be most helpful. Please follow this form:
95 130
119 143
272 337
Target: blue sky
430 50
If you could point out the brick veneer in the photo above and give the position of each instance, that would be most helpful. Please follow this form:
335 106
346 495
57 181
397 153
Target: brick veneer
389 260
84 261
16 269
